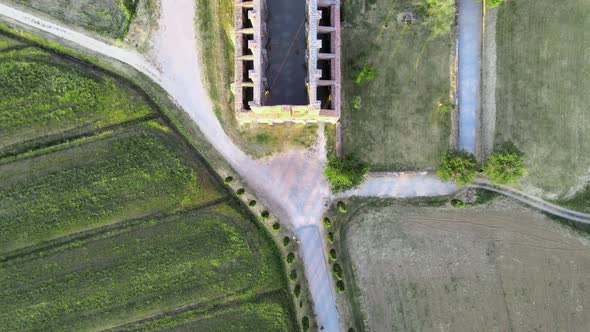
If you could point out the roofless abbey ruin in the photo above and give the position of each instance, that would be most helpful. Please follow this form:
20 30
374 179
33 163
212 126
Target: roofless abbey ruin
287 66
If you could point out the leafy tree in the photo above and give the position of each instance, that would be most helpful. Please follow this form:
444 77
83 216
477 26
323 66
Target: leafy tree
494 3
327 222
438 16
457 166
366 74
345 173
340 285
305 323
505 165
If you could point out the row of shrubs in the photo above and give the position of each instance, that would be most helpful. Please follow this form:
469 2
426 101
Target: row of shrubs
265 216
332 255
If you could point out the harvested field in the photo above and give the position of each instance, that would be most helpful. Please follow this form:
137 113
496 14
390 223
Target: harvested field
107 17
47 98
543 79
128 174
398 125
494 267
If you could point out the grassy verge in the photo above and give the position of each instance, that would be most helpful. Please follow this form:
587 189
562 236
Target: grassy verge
126 274
109 18
543 79
129 174
215 30
49 98
398 125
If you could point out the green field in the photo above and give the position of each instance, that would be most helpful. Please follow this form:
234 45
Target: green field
125 274
107 17
123 224
543 79
215 30
398 126
47 98
266 313
127 175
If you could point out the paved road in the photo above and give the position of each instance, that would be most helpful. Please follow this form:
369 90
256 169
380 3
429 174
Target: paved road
470 25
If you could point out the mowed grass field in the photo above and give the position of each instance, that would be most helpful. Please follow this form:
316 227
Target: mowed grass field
106 17
398 126
497 266
543 79
124 226
47 98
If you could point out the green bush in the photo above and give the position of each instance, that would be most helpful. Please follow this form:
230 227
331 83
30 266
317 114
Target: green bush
290 258
264 215
252 203
229 179
506 164
332 254
286 241
327 222
366 74
457 203
293 275
356 102
340 285
337 271
445 106
240 191
276 226
494 3
341 206
457 166
345 173
305 323
297 290
330 237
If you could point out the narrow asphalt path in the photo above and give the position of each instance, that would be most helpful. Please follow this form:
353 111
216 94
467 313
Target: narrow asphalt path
470 25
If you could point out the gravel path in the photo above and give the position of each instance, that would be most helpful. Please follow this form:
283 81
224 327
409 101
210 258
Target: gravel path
470 25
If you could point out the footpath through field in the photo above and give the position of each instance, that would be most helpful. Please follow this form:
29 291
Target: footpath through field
470 25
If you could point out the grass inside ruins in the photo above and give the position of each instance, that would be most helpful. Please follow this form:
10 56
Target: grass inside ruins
398 125
543 79
215 30
122 224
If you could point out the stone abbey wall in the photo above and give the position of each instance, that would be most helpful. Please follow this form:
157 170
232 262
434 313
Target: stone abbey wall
322 61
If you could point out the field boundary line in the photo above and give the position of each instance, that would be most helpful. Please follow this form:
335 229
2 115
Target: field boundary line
90 233
36 144
218 305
